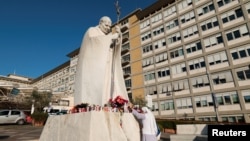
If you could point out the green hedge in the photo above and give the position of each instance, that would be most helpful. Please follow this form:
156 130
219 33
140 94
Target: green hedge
39 116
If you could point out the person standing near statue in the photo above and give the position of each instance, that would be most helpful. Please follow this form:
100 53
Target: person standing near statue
99 74
149 128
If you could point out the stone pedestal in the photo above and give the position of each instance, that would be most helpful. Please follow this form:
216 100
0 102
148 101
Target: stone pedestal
91 126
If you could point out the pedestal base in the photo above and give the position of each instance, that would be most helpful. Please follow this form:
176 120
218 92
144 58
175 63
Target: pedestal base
91 126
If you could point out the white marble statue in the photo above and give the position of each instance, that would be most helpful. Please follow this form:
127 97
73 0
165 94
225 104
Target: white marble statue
94 68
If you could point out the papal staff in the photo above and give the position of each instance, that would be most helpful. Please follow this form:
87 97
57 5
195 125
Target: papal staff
113 55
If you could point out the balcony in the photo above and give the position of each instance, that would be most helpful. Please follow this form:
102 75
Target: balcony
124 51
124 27
124 39
125 62
128 88
126 74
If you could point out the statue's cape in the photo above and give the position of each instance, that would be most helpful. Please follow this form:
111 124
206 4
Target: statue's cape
93 73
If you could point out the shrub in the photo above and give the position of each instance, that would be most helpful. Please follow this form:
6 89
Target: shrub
39 116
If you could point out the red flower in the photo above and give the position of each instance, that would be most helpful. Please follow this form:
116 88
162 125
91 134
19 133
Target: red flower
118 102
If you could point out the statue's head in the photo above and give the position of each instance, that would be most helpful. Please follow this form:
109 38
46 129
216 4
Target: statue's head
105 24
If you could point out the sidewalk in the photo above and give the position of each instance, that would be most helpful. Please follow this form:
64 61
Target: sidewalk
165 136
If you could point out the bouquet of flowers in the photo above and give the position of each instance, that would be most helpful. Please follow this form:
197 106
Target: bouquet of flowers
118 102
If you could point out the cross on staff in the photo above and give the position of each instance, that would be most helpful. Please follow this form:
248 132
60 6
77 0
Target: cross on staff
118 12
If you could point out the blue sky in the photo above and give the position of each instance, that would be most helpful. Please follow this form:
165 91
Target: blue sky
36 35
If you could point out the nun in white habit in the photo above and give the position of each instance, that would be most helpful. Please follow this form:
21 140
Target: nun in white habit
149 127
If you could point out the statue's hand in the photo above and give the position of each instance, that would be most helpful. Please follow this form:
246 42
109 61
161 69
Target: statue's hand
117 29
116 37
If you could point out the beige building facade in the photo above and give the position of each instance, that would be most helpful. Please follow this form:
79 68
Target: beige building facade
195 59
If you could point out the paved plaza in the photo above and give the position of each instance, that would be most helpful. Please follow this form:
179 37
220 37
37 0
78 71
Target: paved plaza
20 132
32 133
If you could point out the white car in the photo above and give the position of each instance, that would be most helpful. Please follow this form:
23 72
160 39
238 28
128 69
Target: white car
12 116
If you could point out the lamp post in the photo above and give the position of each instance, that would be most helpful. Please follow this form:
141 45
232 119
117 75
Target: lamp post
213 97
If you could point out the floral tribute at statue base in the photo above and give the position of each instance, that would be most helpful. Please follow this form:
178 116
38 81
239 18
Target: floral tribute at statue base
118 104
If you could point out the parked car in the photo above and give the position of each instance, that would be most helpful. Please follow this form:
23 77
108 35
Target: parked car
12 116
62 112
55 111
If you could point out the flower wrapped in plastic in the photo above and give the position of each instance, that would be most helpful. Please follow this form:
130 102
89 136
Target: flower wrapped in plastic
118 102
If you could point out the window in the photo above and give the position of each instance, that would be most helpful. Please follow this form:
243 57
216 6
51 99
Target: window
147 48
156 18
179 68
126 58
231 15
146 36
227 98
127 70
209 118
184 4
231 119
237 33
193 47
160 43
155 106
200 81
246 95
187 17
158 30
205 9
161 57
190 31
248 7
171 24
183 103
3 113
209 24
169 11
217 58
204 101
163 72
196 63
128 83
167 105
222 77
174 38
151 90
243 73
125 46
148 61
149 76
223 2
213 40
124 22
144 24
176 52
15 112
180 85
165 88
240 52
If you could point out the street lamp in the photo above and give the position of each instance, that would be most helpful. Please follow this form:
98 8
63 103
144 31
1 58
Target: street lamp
213 97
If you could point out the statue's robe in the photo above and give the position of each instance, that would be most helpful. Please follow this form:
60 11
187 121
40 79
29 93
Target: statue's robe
93 73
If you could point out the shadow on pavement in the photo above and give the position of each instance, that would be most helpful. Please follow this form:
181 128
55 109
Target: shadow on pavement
4 137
